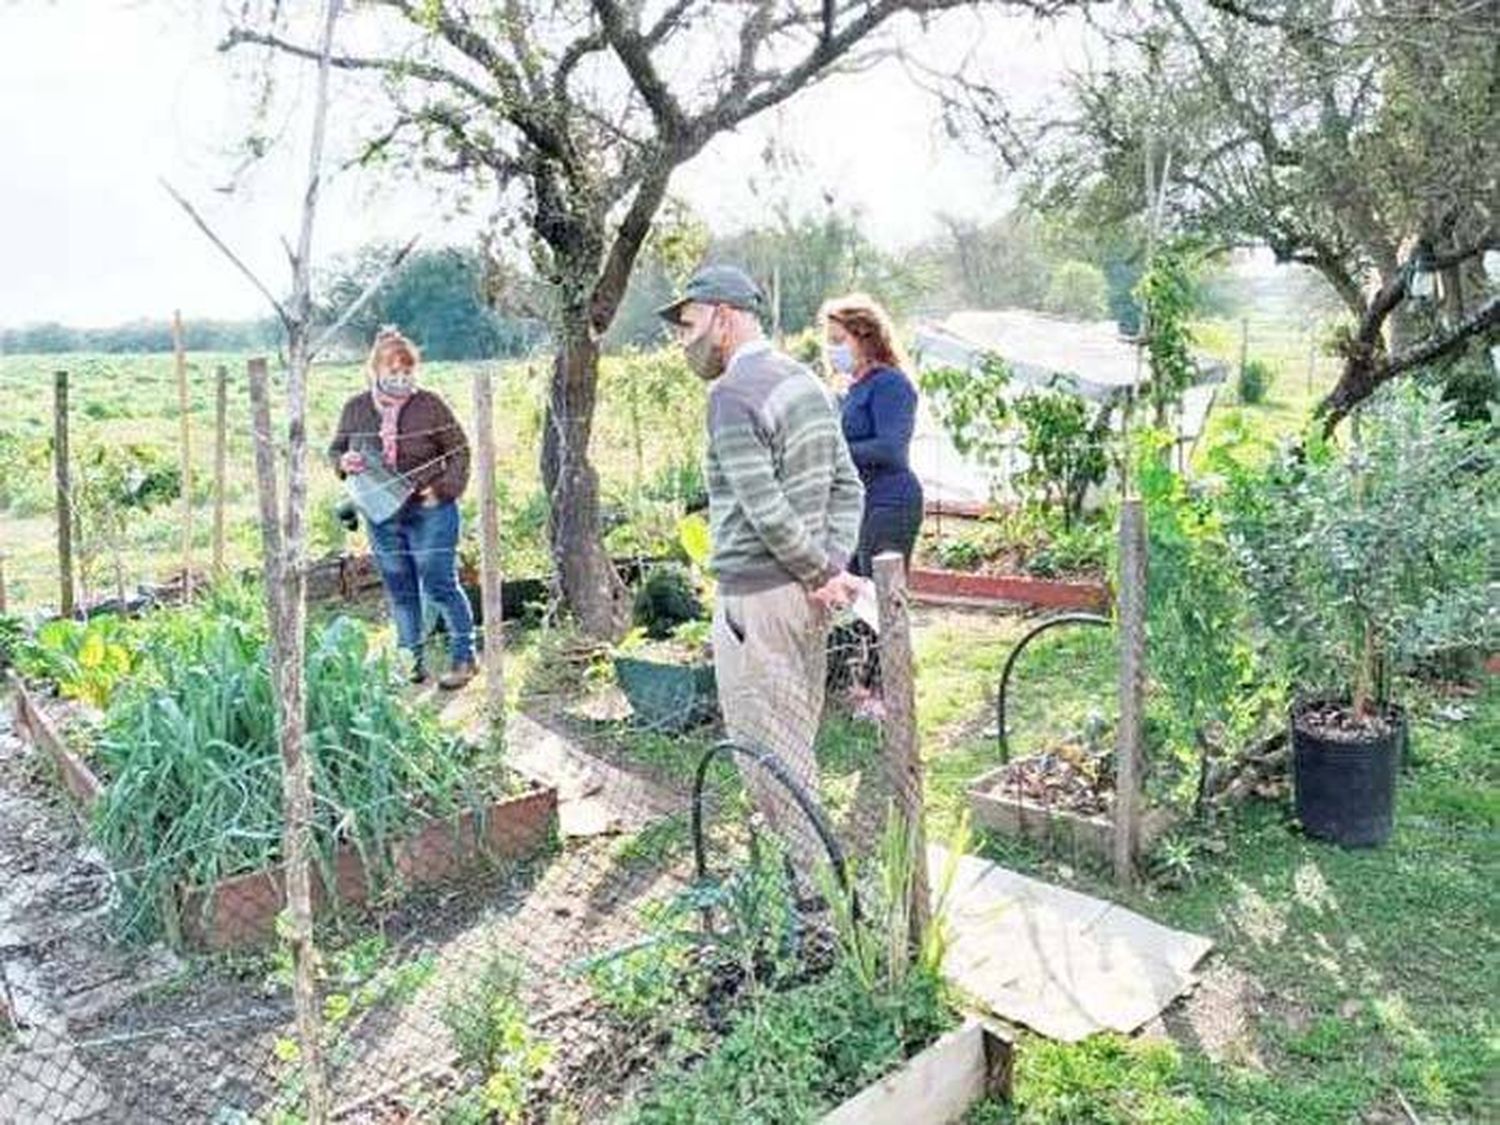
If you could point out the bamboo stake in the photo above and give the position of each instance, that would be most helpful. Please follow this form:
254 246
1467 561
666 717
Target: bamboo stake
1128 750
489 549
221 462
62 466
185 439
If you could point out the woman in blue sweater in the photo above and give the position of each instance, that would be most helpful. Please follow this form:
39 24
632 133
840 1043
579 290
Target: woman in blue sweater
879 415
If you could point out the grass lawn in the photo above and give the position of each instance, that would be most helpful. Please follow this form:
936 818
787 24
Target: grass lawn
1341 982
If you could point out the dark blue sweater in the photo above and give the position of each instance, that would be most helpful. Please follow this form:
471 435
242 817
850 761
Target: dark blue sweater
880 413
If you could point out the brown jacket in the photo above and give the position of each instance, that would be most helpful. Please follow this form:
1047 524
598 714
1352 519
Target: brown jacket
431 449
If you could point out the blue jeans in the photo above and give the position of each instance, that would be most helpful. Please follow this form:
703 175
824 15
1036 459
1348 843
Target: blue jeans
417 552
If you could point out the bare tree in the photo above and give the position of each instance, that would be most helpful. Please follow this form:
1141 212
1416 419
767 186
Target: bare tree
578 112
283 536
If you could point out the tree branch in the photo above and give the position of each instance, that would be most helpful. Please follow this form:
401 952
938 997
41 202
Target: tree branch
427 72
1365 368
634 53
1483 320
208 231
738 105
353 308
632 232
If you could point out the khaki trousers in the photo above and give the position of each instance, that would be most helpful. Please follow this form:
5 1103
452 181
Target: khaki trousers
771 661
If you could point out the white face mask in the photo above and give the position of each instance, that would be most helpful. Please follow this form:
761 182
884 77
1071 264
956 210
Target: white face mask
842 358
397 384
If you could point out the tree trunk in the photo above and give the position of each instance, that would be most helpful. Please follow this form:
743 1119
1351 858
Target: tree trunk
590 586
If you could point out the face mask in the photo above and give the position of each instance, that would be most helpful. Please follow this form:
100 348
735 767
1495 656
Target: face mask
397 385
704 356
842 358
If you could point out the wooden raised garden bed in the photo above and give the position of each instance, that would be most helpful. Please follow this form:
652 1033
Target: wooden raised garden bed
240 911
938 1085
958 587
1025 818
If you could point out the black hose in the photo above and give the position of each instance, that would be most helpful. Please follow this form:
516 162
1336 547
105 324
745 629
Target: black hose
1010 663
777 769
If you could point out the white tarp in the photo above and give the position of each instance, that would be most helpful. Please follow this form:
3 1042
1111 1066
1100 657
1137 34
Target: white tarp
1097 360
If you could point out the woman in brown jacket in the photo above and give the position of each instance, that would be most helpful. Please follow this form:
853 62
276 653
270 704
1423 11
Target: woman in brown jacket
402 432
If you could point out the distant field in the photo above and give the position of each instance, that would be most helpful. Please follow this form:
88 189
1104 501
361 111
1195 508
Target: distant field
1302 374
133 400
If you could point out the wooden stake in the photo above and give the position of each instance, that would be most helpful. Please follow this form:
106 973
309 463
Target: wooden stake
899 736
285 615
1128 752
489 548
185 438
221 459
64 473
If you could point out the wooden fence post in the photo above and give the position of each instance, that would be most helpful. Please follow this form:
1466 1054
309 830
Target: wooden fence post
221 460
286 622
63 469
1128 749
899 737
185 437
490 576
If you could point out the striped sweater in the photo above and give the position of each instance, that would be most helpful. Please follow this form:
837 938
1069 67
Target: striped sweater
784 497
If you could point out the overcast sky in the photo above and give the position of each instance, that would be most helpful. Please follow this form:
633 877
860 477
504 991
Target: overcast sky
99 98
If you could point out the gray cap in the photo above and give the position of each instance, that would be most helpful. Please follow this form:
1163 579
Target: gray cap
717 285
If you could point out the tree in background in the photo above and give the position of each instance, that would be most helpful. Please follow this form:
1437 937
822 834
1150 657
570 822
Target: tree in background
820 256
1030 260
576 114
1078 290
438 298
140 336
1363 142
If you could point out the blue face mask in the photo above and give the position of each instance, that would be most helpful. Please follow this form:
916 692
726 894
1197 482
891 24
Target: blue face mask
842 358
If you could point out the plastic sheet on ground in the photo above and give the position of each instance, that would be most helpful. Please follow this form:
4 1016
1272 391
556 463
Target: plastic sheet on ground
1060 962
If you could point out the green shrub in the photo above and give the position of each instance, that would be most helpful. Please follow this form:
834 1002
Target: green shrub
797 1054
12 636
665 600
1359 563
1254 382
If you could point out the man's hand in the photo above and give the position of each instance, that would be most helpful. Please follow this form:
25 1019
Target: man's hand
352 461
837 592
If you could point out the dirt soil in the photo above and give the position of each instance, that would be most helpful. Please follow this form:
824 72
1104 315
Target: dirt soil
1068 779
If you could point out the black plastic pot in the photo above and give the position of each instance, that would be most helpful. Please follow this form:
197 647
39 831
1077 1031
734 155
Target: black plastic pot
1346 787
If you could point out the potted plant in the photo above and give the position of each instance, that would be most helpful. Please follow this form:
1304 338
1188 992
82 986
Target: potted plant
1361 562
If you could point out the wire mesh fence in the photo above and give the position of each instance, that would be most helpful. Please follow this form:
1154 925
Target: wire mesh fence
534 924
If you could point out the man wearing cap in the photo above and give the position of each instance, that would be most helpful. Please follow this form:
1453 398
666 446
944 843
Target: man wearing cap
784 508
